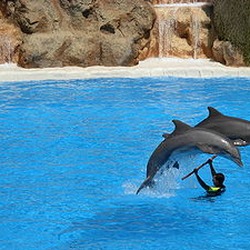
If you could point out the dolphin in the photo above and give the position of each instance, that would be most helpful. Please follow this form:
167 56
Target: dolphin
186 139
236 129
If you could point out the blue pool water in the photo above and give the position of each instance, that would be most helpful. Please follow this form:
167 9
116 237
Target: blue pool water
73 153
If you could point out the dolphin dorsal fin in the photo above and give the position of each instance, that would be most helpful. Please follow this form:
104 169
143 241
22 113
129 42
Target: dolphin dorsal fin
180 127
214 112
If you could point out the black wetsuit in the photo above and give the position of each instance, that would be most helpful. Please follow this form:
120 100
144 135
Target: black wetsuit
211 190
215 190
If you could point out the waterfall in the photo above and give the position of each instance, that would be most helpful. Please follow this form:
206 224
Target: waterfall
179 27
166 33
6 49
195 27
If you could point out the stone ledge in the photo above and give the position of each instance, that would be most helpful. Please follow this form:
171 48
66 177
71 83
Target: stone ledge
167 67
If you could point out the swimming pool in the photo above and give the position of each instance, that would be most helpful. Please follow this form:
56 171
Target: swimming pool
74 152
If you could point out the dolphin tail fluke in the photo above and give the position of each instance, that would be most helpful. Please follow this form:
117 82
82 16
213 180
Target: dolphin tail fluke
147 183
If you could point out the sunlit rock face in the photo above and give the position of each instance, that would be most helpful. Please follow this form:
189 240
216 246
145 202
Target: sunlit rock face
82 33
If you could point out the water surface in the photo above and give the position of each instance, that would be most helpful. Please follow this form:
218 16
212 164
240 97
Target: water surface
73 153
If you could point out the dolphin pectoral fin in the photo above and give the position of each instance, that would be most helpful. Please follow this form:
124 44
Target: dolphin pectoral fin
239 142
207 149
147 183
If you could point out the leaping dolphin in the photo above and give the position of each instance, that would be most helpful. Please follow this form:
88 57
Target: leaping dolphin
186 138
234 128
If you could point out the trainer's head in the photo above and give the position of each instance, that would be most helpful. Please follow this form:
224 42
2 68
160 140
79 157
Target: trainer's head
218 179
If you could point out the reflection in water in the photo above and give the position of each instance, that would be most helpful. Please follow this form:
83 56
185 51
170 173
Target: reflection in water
204 198
130 221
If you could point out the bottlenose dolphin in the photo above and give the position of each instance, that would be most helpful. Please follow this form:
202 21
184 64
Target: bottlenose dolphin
186 139
234 128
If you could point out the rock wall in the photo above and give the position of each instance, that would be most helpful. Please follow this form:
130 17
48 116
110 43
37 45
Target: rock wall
232 23
59 33
56 33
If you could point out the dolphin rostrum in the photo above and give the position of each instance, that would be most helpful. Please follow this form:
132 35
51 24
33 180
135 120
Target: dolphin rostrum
234 128
186 138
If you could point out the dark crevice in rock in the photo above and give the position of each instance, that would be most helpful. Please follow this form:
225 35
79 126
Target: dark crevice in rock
86 13
107 28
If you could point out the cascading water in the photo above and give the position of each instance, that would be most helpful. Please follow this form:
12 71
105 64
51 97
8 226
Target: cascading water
179 22
195 27
6 49
166 32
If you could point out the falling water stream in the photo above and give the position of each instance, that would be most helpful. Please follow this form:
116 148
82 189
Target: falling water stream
6 48
168 15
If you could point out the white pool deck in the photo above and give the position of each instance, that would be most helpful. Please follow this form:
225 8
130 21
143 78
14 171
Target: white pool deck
155 67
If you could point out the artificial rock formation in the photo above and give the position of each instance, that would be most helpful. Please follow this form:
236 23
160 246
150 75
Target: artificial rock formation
80 32
52 33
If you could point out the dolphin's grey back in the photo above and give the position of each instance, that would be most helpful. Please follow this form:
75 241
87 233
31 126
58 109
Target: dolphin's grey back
234 128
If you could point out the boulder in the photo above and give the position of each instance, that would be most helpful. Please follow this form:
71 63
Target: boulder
224 52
